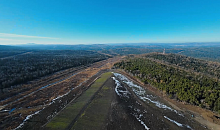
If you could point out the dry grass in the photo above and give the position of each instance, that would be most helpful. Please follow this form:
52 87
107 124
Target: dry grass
65 117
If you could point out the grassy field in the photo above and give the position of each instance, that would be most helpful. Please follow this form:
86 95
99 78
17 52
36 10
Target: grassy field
65 117
96 113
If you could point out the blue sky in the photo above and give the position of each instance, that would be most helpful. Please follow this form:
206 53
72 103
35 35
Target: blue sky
108 21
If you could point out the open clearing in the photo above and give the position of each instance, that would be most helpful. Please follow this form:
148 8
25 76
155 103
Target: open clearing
94 116
65 118
115 102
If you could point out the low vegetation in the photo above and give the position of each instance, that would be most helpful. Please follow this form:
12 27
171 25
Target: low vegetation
95 114
65 117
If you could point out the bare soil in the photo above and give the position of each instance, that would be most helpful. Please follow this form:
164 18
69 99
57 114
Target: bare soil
203 116
128 113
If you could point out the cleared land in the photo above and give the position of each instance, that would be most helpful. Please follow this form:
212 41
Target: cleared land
67 116
102 104
122 104
48 95
94 116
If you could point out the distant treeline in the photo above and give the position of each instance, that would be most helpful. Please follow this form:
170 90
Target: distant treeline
207 53
22 68
197 89
206 67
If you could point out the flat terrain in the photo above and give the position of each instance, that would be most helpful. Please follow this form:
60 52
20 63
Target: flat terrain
65 118
122 104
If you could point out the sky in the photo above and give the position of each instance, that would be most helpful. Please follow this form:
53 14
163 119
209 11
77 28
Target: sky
108 21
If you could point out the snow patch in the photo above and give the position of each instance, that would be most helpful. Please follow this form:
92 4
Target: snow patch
139 119
4 110
120 91
60 96
177 123
141 93
27 118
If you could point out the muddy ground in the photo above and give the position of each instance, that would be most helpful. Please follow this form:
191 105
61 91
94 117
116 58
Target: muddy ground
128 105
122 104
203 116
128 111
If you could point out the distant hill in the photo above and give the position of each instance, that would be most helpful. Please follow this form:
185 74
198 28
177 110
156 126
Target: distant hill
6 51
119 45
207 51
7 47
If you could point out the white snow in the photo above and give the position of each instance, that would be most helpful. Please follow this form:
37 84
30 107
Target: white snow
177 123
4 110
138 118
27 118
38 89
119 92
141 93
60 96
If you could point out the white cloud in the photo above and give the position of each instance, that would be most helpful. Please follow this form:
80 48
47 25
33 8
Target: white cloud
23 36
3 39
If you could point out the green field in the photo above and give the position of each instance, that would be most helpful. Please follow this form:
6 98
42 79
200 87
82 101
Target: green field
96 113
65 117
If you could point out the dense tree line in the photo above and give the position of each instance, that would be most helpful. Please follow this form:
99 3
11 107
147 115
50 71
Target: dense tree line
129 50
207 53
22 68
197 65
6 51
184 86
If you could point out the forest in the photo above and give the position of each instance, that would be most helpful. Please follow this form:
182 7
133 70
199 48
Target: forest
23 68
198 65
185 86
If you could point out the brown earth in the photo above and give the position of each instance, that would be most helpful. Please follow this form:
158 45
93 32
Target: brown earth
127 113
122 113
119 114
31 97
203 116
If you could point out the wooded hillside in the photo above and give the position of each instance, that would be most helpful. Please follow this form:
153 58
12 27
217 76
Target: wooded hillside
184 85
22 68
